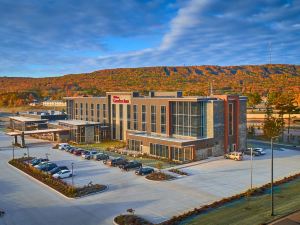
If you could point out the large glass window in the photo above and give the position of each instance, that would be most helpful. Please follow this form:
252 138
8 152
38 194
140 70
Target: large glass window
113 111
134 145
159 150
144 124
230 118
76 111
188 119
128 117
135 119
153 118
163 119
81 111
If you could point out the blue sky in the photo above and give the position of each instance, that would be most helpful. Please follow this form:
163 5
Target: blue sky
54 37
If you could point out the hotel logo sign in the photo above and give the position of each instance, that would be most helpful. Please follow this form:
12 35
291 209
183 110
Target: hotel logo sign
121 99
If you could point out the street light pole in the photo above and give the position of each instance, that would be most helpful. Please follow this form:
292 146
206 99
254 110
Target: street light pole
251 168
272 193
28 152
72 174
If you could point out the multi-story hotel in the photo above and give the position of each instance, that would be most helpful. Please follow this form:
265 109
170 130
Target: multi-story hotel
165 124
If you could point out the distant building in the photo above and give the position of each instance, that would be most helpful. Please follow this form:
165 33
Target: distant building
54 103
34 103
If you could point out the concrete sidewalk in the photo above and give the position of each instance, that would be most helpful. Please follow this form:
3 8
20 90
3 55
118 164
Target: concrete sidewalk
292 219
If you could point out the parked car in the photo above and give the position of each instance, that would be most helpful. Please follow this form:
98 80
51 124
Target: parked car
63 174
63 146
234 155
78 152
130 165
260 150
255 151
115 162
46 166
101 156
57 169
71 149
88 154
144 171
37 161
248 152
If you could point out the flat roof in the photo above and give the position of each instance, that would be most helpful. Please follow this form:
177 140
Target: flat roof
170 139
28 132
26 119
87 97
78 122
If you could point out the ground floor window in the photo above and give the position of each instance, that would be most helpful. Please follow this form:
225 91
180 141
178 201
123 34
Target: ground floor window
134 145
159 150
181 154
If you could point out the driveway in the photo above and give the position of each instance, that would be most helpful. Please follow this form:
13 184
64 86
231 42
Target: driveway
28 202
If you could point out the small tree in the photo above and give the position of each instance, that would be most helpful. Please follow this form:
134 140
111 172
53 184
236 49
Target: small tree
159 166
272 126
131 211
253 99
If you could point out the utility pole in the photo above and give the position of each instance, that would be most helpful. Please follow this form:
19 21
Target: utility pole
272 177
270 53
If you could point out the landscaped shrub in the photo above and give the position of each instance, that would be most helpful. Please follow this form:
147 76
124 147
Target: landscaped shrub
159 176
57 184
254 192
131 220
178 172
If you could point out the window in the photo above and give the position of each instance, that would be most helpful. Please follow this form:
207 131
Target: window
153 118
113 111
104 113
134 145
230 119
121 121
86 111
98 112
144 124
81 111
181 154
76 111
163 119
92 110
135 119
188 118
128 117
159 150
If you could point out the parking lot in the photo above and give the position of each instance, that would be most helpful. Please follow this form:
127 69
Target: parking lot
28 202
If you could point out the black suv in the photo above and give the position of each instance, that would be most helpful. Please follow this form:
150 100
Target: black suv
131 165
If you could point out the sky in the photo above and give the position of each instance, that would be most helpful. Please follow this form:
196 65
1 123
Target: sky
40 38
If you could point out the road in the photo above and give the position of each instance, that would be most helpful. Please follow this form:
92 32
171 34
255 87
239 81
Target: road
27 202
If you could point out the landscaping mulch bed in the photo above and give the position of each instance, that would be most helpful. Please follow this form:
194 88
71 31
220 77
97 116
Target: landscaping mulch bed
159 176
130 220
57 184
179 172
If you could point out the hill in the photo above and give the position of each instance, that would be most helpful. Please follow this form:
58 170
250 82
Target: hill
193 80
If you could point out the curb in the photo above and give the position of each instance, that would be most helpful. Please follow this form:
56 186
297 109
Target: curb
40 182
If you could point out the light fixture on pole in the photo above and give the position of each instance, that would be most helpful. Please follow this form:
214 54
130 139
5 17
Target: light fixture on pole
72 166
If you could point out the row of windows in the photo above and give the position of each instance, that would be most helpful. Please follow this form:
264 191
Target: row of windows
159 150
134 145
91 109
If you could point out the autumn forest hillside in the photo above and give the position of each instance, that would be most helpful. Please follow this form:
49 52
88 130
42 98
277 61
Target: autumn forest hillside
193 80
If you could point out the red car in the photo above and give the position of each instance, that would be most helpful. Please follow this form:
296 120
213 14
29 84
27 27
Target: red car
78 152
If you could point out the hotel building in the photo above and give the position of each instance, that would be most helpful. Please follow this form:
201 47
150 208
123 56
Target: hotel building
166 124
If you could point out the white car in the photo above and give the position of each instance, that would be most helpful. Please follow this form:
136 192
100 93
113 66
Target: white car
63 174
260 150
63 146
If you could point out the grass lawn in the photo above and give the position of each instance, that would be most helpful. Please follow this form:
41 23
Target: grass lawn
110 144
254 211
